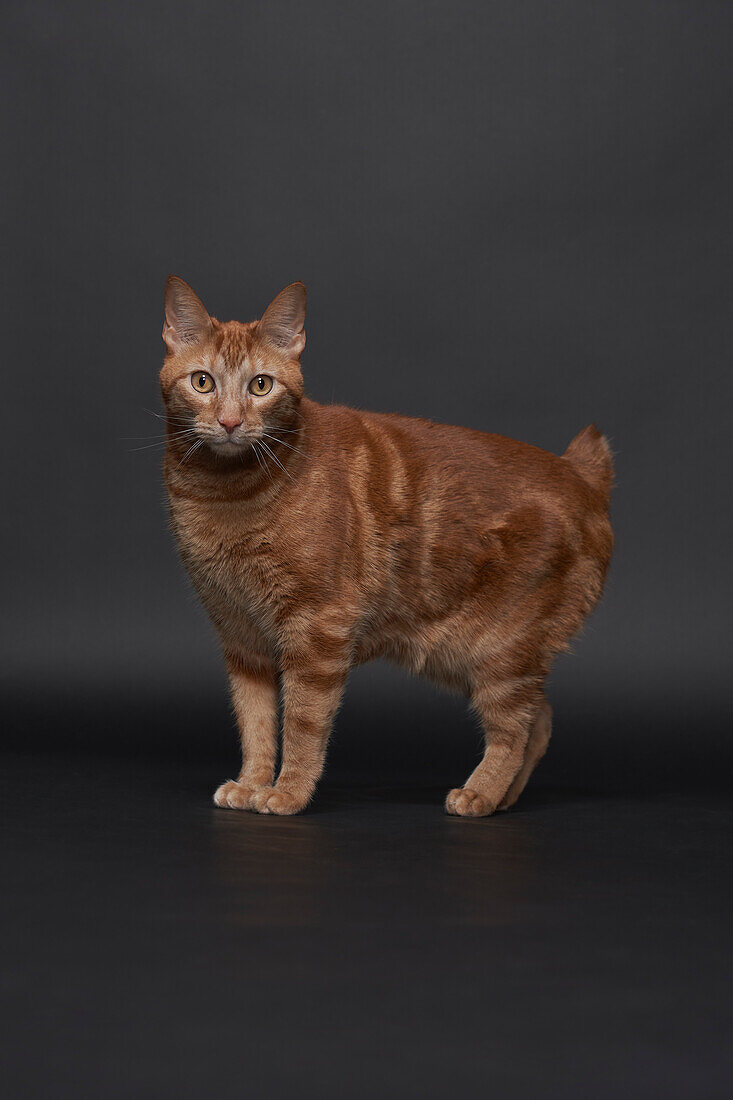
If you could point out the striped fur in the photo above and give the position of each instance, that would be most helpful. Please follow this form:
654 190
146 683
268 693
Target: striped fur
319 537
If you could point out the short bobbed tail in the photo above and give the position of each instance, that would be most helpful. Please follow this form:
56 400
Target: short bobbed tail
590 455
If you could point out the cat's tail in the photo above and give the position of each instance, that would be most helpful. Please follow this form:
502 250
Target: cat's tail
590 455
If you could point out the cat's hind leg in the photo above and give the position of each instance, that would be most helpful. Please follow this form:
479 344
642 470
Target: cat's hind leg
539 739
508 710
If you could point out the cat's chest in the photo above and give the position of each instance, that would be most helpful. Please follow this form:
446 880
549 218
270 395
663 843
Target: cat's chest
231 560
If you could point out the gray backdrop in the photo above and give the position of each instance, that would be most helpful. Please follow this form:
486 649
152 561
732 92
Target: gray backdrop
511 216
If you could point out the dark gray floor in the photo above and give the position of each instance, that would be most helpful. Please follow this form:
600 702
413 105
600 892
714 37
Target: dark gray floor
153 945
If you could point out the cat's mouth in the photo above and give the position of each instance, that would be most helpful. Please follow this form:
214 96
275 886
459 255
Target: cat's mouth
229 445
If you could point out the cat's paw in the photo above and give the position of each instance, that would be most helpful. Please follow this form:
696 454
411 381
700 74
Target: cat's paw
233 796
270 800
463 802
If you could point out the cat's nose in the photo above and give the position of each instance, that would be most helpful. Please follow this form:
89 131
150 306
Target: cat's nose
230 422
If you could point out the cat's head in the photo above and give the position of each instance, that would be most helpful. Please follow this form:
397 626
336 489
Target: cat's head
226 384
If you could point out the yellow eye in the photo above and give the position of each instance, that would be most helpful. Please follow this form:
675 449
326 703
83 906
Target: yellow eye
202 382
261 385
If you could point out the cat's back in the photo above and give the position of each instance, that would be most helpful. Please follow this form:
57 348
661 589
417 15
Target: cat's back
424 482
445 516
472 467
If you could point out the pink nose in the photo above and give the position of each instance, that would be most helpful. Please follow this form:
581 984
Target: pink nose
230 423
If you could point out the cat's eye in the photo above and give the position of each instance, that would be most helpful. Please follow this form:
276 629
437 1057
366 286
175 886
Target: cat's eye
202 382
260 385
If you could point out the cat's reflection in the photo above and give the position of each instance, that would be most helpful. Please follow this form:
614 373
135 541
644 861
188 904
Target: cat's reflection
376 857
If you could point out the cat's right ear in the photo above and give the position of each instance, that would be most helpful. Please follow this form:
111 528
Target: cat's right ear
186 320
283 322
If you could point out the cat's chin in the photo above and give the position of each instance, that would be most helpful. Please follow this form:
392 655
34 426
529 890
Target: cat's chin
228 448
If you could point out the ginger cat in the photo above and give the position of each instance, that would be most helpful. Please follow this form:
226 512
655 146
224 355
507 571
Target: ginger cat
319 537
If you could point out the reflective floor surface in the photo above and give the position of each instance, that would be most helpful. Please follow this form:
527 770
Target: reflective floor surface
577 946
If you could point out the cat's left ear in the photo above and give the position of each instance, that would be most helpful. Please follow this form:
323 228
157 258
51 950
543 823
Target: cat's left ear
186 319
283 322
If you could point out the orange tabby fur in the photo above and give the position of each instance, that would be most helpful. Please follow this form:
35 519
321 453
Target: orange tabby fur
342 536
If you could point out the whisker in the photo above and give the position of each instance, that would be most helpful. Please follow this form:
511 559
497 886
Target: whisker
160 438
284 444
163 442
275 458
267 467
168 416
257 456
190 451
243 455
162 416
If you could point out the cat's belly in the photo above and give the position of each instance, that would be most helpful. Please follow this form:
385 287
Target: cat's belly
431 649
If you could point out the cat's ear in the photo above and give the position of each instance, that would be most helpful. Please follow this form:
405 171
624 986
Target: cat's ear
186 319
282 323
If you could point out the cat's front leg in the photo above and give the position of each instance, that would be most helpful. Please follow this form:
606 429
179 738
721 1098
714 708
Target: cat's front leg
254 688
312 690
